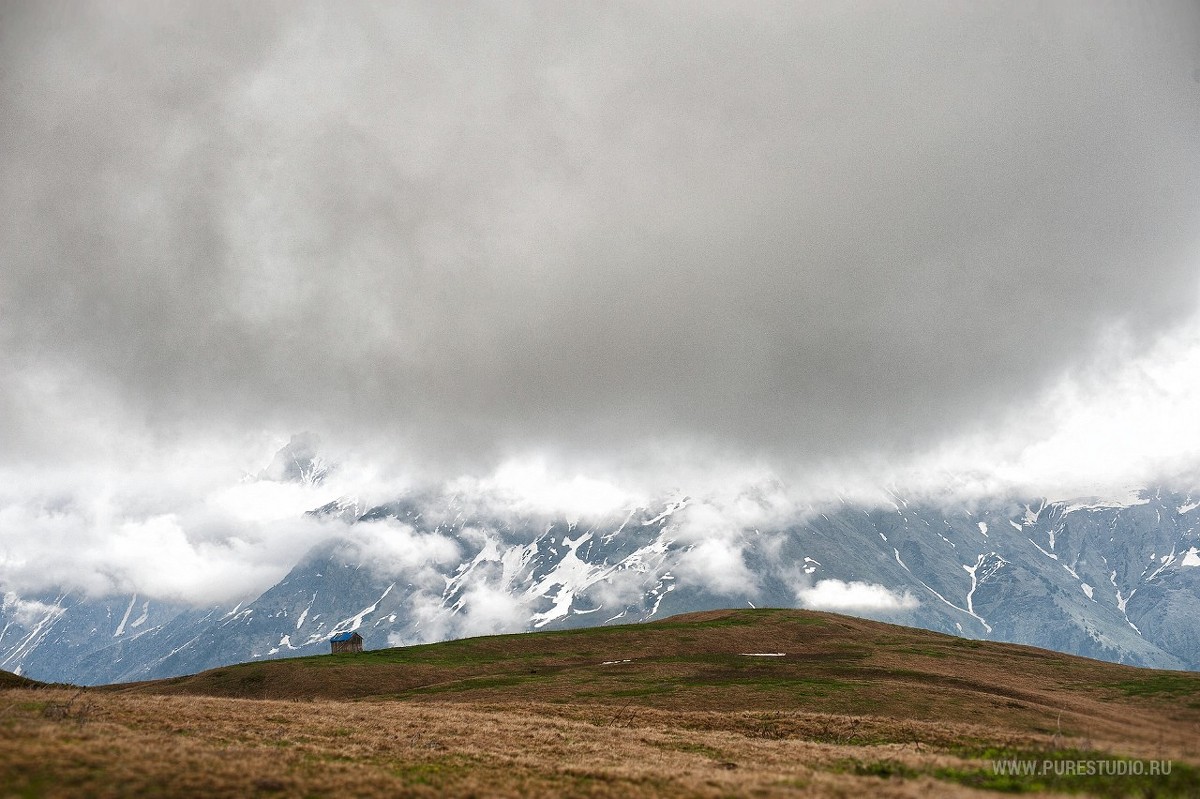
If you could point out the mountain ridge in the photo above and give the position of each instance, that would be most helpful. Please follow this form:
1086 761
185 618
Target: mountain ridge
1094 577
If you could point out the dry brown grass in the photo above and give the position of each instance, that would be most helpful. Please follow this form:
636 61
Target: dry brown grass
138 745
856 708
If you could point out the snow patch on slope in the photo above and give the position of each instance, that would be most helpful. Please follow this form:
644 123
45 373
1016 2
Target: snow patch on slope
1126 498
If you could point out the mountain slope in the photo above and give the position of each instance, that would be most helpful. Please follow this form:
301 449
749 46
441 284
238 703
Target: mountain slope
740 660
1116 580
746 702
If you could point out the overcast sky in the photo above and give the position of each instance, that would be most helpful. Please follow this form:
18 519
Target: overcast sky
592 249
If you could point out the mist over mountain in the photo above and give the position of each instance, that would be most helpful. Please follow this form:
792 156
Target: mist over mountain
601 312
1114 578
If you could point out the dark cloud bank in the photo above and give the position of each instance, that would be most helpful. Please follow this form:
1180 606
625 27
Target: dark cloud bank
796 229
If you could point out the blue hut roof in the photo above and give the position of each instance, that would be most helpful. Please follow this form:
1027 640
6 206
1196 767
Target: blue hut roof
340 637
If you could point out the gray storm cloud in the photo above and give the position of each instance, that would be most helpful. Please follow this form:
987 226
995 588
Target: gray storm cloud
800 229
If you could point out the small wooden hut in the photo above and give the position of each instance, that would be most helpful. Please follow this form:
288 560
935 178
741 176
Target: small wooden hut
345 642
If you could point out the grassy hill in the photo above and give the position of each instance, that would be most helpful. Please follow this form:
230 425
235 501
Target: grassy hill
10 680
771 702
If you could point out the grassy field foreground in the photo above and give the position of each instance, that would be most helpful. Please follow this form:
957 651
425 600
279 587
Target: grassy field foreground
765 703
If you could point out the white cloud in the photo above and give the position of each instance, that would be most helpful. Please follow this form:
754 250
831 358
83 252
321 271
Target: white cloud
486 609
396 548
25 612
532 486
717 566
168 523
103 551
620 588
489 609
179 519
1127 419
554 299
837 595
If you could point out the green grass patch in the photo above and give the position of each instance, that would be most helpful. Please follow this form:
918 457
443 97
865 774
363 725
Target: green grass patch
691 748
819 686
436 773
1172 685
1074 771
473 684
884 769
923 651
1066 771
741 618
729 621
644 690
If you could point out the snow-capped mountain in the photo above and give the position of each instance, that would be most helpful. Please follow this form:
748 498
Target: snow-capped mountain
1117 580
